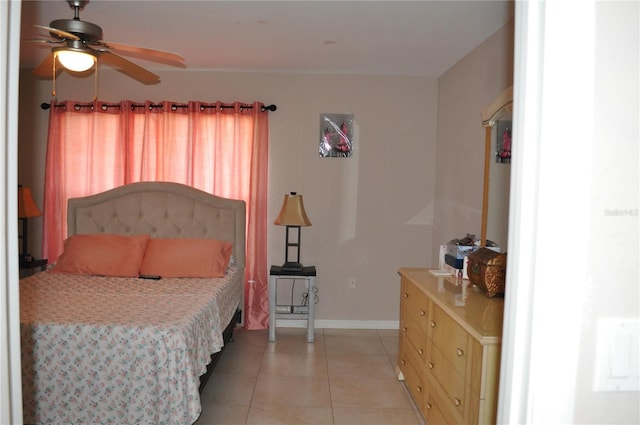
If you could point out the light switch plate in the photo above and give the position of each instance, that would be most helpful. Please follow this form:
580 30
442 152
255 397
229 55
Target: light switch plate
617 361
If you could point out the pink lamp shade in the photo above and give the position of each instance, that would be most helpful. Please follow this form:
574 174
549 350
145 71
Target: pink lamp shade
26 205
26 209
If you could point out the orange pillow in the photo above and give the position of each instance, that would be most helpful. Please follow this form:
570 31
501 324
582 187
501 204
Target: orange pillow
186 257
102 255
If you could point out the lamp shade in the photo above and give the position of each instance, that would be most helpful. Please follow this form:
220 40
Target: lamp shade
292 212
26 206
75 60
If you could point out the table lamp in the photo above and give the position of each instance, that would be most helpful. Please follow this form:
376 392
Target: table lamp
292 215
26 209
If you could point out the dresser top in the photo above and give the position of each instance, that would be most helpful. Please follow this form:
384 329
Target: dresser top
480 316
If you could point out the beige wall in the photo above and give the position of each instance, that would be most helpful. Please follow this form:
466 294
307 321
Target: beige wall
371 213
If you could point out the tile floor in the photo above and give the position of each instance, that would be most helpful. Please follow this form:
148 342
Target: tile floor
347 377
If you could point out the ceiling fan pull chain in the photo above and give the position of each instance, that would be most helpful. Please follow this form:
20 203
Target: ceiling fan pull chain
53 87
95 83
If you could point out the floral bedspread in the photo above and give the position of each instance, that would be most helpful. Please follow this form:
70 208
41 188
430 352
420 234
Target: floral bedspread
120 350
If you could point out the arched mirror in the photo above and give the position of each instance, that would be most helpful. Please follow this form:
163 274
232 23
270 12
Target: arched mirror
496 119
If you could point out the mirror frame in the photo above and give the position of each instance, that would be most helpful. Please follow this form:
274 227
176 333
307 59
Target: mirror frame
490 116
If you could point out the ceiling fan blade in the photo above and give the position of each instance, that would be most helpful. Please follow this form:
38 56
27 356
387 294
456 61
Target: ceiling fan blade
59 33
45 68
43 42
144 52
129 68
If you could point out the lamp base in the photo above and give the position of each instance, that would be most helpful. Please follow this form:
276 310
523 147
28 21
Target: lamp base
25 258
292 267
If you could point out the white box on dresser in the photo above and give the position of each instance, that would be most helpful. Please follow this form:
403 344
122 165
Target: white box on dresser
449 356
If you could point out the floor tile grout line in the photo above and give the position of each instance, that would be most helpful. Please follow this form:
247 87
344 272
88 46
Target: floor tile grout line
255 382
390 355
326 359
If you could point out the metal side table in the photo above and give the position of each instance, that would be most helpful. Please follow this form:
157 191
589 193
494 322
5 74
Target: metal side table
308 274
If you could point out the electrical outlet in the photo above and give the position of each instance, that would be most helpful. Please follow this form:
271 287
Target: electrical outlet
352 282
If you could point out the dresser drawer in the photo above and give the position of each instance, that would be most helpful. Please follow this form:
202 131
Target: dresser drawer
455 391
416 340
404 296
417 305
451 339
413 376
434 415
436 412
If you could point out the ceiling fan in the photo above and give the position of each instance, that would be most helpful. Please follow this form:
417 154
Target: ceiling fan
78 46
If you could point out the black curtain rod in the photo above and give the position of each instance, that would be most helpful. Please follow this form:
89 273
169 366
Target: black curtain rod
174 106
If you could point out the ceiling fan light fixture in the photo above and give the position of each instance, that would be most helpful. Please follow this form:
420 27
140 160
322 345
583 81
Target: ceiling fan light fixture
79 45
76 60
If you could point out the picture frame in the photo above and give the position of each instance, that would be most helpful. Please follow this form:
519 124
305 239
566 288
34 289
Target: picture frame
336 136
503 141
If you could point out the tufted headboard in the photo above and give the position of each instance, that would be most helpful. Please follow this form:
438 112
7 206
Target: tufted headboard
162 210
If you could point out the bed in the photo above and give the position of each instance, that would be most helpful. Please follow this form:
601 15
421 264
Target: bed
98 348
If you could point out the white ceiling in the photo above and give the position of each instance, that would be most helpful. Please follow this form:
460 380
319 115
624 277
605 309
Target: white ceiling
421 38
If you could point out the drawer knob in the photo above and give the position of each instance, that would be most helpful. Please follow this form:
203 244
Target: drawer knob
457 401
403 362
420 351
429 406
419 388
406 295
433 324
459 352
431 365
404 329
422 312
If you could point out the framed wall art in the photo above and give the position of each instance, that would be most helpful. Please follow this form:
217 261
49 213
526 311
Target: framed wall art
503 142
336 136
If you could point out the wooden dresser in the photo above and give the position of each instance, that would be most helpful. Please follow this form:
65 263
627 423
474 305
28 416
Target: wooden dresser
449 355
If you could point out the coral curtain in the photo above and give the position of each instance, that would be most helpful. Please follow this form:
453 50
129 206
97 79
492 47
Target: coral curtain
218 148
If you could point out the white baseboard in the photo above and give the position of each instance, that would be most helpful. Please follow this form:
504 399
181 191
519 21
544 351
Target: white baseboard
340 324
